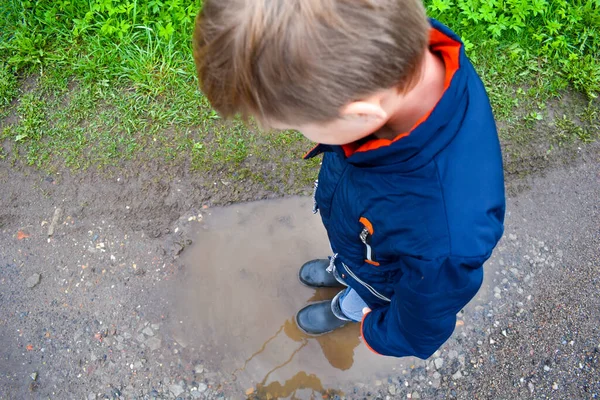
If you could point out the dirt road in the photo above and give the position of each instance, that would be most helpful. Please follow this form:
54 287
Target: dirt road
103 296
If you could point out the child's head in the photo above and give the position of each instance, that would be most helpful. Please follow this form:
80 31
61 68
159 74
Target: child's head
308 64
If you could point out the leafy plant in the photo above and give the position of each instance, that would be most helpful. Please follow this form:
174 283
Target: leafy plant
8 85
558 36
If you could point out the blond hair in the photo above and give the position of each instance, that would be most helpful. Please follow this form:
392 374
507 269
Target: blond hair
299 61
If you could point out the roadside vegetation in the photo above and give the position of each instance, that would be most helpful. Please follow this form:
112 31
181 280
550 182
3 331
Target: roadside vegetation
103 83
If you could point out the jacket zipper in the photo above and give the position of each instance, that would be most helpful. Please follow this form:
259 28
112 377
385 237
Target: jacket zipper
366 285
315 205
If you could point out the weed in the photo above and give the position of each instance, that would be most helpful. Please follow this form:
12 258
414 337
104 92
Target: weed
8 85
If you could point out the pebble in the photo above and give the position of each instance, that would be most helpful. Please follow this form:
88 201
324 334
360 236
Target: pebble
140 337
512 237
196 394
148 331
153 343
176 390
198 369
54 221
453 354
33 281
416 395
457 375
34 376
392 389
531 387
378 383
202 387
436 375
439 362
555 386
546 368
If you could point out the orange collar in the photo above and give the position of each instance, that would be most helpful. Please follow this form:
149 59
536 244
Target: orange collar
449 49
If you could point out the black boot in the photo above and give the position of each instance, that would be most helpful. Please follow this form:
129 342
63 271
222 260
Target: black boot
314 274
322 317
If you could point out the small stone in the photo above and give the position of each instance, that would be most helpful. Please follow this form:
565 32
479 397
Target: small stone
140 337
249 391
531 387
512 237
137 365
453 354
492 341
392 389
176 390
378 383
33 281
198 369
202 387
54 222
439 362
196 394
153 343
457 375
436 375
416 395
148 331
34 376
546 368
555 386
155 326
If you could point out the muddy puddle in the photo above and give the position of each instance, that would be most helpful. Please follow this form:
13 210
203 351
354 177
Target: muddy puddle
238 296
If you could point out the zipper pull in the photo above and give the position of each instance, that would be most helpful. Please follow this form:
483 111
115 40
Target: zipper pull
365 237
331 266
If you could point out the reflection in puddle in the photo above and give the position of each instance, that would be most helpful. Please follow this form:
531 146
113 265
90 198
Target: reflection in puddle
239 296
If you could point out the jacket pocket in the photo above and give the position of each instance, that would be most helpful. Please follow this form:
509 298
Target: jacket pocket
366 237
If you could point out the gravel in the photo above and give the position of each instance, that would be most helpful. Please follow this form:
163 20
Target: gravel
33 281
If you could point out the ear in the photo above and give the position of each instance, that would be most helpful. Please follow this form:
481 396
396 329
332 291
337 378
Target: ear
371 111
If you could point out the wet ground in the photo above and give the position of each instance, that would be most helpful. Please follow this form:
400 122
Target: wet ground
96 303
240 292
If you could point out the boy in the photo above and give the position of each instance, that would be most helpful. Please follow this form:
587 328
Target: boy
411 187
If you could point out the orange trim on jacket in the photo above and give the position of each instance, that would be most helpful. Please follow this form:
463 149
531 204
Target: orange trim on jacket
363 335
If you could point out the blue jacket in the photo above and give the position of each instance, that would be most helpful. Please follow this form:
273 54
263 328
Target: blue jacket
413 220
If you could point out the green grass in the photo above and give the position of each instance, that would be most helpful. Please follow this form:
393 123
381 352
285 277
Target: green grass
104 83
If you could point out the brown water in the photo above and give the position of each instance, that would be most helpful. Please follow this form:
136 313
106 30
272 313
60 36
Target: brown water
241 292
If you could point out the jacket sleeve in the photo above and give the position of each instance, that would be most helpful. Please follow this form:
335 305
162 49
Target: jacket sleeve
422 313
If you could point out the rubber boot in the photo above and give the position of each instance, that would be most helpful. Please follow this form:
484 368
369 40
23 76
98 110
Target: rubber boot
321 317
314 274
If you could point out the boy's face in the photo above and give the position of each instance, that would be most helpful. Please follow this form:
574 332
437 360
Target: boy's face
357 120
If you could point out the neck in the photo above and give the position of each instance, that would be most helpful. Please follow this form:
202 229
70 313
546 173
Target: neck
408 108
